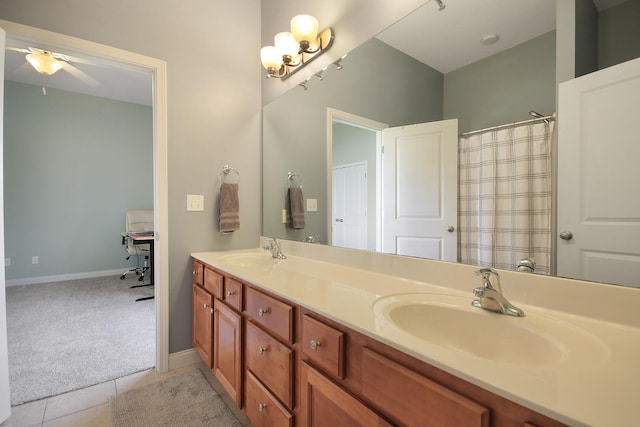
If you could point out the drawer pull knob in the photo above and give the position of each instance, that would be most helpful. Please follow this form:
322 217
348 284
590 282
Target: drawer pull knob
195 272
262 350
229 293
205 305
263 311
262 406
314 345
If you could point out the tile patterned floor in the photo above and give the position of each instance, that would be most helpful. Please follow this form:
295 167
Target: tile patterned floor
89 407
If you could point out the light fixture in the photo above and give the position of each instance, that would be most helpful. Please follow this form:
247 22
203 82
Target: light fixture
44 63
441 5
293 50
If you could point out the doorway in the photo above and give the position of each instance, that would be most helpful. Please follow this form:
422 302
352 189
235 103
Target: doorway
157 69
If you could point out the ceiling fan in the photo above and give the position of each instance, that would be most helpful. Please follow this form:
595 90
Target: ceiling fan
48 63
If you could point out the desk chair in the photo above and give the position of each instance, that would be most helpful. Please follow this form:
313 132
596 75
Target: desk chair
137 220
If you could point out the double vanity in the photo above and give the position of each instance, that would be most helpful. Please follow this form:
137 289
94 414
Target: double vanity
331 335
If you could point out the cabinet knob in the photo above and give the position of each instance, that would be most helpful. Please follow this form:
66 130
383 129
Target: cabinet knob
262 350
263 311
262 406
194 272
314 345
229 293
205 305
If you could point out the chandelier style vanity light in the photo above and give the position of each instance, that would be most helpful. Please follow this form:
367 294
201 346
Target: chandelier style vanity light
293 50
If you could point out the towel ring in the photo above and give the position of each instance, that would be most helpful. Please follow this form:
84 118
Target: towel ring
294 180
227 174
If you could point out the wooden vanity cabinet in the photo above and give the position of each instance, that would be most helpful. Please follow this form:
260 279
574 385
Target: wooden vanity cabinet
227 350
270 358
217 326
303 369
202 328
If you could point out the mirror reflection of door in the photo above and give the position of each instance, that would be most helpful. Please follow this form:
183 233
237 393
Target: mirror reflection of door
349 216
598 153
420 190
413 181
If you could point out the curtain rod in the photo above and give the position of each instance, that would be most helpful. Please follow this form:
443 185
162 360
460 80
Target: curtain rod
537 119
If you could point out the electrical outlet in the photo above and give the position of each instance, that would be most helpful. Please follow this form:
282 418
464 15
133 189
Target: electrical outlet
7 262
195 203
34 260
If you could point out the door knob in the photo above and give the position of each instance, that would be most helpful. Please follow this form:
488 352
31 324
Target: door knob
566 235
451 229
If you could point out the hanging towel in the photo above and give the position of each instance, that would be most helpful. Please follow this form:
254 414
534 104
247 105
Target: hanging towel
229 208
296 207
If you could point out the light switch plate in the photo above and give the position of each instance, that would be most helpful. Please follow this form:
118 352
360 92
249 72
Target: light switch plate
195 203
312 205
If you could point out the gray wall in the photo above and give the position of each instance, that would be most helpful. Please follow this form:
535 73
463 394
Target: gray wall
73 165
295 124
213 111
503 88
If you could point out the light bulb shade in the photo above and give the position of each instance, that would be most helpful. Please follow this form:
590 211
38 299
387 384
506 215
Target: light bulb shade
286 44
270 57
304 28
44 63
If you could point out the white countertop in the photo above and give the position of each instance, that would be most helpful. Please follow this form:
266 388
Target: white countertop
594 380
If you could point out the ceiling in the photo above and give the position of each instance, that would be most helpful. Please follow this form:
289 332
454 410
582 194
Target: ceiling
445 40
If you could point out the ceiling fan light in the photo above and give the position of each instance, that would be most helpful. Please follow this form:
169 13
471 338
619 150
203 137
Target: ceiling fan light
43 63
304 28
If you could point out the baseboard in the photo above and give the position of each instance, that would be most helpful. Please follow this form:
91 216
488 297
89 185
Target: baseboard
62 277
183 358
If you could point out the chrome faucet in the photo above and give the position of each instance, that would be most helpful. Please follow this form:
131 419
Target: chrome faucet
490 296
274 247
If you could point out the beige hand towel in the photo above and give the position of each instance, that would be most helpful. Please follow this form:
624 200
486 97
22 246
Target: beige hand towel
229 208
296 206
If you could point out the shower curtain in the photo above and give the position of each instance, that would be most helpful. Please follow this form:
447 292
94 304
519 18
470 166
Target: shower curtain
505 190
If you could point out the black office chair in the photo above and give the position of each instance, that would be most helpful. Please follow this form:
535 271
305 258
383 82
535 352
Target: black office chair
139 221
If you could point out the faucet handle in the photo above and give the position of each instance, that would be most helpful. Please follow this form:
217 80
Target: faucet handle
486 276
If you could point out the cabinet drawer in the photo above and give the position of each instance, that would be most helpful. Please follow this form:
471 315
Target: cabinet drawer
233 293
262 408
412 399
198 272
323 345
271 361
270 313
213 281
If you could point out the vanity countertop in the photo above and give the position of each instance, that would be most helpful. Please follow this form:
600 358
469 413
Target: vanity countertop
590 378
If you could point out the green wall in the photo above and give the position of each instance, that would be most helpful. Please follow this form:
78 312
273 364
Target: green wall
619 34
73 165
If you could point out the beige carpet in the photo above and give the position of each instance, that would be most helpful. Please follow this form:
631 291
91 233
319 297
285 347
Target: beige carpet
182 400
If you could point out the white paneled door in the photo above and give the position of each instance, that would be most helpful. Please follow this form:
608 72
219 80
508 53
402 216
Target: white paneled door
5 400
598 154
349 206
420 190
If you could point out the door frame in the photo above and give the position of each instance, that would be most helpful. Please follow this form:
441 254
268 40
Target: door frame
158 69
337 116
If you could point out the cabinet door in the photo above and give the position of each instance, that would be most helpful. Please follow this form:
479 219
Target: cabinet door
325 404
202 323
227 350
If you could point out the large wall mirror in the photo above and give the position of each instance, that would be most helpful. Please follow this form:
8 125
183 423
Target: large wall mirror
442 73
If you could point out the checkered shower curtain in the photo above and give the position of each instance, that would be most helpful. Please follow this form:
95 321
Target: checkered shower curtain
505 197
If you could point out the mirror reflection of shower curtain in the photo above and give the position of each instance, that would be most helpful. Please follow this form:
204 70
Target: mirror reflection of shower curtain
505 190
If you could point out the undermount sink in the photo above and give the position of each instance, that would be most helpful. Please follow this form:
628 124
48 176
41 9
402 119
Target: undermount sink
451 322
248 259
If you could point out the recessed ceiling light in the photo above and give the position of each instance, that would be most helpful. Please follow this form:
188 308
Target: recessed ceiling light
489 39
